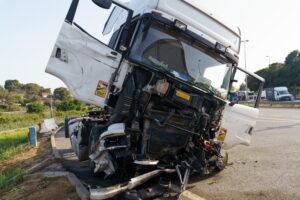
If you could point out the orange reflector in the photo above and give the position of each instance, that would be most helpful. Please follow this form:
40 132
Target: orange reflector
222 134
183 95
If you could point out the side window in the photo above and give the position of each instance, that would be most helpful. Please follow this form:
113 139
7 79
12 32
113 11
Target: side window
93 19
114 40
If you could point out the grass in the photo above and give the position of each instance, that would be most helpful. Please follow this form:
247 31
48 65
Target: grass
10 178
13 143
71 189
15 121
44 183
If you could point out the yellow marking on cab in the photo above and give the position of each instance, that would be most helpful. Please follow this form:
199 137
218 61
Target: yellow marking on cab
183 95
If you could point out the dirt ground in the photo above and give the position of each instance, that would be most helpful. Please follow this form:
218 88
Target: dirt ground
37 187
30 156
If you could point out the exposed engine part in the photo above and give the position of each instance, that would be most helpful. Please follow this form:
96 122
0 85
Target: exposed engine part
183 177
101 156
150 192
103 163
146 162
105 193
162 123
162 87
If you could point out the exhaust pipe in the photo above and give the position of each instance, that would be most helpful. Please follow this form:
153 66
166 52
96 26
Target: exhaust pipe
109 192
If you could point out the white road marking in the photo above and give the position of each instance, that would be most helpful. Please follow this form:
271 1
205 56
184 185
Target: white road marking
279 120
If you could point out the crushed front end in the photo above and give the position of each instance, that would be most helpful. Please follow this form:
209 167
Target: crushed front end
168 113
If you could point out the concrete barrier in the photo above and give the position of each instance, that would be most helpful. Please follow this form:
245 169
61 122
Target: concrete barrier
48 125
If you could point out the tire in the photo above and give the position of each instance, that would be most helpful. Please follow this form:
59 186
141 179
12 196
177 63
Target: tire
67 132
82 153
94 137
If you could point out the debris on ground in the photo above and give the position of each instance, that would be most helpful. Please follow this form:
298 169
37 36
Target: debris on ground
240 162
212 182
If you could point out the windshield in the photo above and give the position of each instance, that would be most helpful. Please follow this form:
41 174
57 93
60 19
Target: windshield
283 92
167 49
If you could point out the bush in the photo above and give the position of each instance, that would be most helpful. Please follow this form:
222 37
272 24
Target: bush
70 105
65 106
35 107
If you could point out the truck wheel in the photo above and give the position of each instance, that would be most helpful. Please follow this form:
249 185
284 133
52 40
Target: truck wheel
67 134
93 139
82 153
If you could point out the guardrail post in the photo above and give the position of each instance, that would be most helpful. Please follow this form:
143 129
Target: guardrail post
32 136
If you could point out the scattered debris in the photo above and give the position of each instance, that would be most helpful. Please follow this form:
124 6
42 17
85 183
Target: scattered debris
240 162
230 163
213 182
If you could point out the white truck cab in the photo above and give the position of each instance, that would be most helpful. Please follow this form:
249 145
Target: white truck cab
91 69
163 77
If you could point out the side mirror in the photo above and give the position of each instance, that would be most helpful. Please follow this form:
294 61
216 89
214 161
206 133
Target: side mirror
233 102
106 4
233 98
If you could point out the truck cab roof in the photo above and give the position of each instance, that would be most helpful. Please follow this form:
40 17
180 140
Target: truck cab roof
191 13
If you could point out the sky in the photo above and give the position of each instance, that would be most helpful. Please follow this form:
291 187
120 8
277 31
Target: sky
28 30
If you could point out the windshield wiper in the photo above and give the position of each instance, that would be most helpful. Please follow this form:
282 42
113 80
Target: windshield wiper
205 87
161 68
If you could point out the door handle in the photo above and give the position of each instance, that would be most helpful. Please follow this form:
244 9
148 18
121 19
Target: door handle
112 55
61 55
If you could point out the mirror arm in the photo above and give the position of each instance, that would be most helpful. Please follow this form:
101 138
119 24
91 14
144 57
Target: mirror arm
127 24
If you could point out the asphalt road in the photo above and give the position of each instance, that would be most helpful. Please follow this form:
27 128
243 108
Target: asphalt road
268 169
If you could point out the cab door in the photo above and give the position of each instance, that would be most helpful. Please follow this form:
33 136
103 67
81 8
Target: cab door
237 125
240 120
83 62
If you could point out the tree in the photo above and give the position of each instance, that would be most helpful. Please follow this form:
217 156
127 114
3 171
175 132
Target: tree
66 106
70 105
78 104
32 89
35 107
291 71
292 57
12 99
12 85
3 93
243 87
272 75
46 90
233 89
61 94
279 74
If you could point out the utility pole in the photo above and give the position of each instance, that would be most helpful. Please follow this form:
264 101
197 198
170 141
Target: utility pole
245 57
269 61
51 106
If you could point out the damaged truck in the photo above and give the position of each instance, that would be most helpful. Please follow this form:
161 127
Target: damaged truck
161 79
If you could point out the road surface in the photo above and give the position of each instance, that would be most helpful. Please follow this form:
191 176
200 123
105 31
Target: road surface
268 169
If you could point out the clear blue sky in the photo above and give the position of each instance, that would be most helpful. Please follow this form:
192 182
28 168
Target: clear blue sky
28 30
